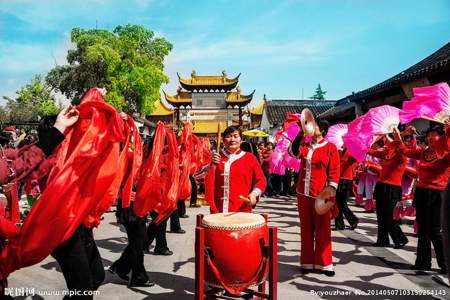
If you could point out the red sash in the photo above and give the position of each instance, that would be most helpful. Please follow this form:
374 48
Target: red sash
157 187
186 146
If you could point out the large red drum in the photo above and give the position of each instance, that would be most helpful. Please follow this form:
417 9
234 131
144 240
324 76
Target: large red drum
236 250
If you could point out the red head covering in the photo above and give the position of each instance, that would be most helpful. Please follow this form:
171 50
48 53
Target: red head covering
10 128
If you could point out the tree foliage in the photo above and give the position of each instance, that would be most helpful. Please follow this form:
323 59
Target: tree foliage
319 94
128 62
33 101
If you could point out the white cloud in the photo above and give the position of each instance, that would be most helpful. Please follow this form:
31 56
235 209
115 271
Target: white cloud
21 61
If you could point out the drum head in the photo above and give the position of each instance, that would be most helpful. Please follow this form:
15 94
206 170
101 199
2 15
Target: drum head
236 220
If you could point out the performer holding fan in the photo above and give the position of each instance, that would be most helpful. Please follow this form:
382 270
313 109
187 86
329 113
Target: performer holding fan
319 177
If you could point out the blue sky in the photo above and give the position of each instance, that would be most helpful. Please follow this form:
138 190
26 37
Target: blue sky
280 47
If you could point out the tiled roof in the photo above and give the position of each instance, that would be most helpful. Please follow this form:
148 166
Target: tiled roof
437 62
276 109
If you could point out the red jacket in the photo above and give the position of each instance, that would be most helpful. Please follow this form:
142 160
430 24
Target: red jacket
433 172
319 167
237 174
393 163
348 165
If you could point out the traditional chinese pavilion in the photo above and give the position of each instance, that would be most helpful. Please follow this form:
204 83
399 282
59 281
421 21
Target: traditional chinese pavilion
206 101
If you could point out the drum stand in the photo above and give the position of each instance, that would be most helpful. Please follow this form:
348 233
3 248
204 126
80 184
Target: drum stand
215 293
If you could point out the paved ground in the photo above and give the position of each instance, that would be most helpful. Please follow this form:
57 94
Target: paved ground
359 267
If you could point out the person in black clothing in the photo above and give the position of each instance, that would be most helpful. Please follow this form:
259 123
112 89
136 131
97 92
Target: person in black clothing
287 179
180 212
158 232
193 202
132 258
445 223
80 262
50 137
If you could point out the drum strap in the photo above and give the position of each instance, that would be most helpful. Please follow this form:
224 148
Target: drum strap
237 290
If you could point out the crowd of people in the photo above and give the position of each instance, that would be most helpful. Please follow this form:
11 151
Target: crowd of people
151 181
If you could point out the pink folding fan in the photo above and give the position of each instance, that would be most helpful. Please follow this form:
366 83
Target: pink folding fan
431 102
335 134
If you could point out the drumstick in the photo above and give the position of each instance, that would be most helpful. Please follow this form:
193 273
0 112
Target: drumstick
245 199
218 138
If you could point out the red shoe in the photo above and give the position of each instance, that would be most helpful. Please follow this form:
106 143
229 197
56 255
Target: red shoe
359 200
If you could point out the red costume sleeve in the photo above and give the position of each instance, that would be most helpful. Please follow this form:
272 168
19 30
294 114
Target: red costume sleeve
373 167
414 153
411 172
379 153
209 189
333 170
441 147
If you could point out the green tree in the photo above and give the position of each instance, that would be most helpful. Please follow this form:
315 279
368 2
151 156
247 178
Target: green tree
319 94
128 62
4 115
33 101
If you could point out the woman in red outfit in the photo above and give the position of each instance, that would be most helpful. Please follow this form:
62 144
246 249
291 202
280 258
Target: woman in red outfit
319 175
238 178
433 174
388 192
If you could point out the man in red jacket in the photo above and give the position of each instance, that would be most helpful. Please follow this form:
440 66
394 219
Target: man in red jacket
319 175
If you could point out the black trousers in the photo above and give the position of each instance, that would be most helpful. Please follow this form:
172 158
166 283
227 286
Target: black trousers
175 216
445 220
287 178
181 205
294 187
387 196
132 258
194 190
157 232
428 216
175 221
80 262
343 192
276 183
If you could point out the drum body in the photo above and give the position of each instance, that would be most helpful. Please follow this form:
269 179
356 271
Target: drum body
236 250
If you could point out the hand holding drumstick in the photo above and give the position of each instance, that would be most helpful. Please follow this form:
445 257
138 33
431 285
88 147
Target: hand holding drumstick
250 199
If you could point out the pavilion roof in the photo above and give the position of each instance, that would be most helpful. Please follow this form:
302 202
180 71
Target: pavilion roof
277 109
208 82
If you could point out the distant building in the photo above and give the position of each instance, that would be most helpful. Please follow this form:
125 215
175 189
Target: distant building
205 101
393 91
275 111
